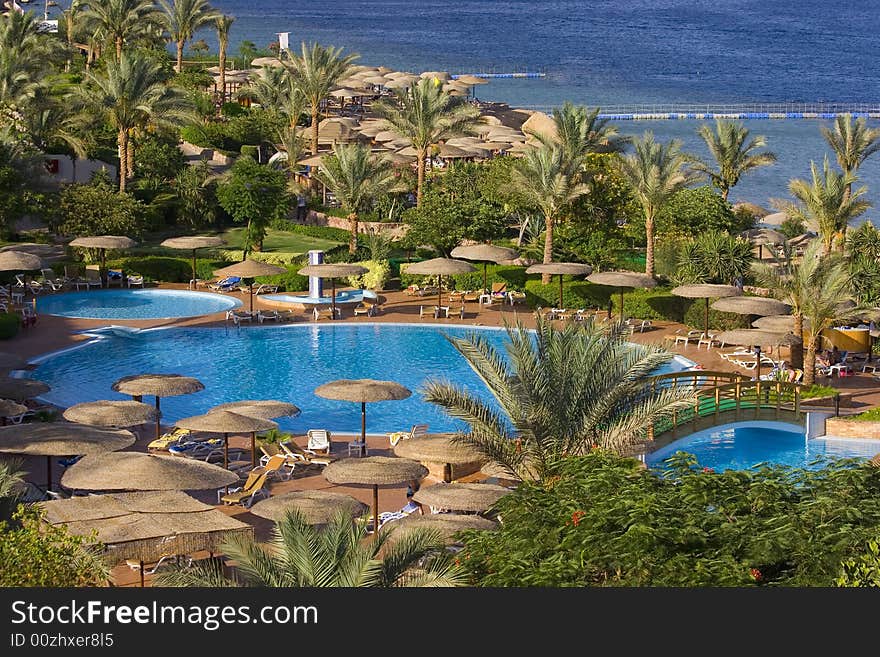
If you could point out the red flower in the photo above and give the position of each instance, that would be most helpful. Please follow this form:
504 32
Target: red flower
708 469
576 517
756 574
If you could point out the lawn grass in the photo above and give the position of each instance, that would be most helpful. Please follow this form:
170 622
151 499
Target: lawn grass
279 241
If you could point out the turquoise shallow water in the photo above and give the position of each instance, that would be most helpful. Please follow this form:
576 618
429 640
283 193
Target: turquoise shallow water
745 444
134 304
285 363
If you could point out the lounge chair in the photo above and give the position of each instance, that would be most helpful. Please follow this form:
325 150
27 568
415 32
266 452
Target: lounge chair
359 447
397 436
708 339
239 316
228 284
245 495
515 296
265 315
298 453
412 290
28 315
279 466
115 277
265 288
843 368
319 441
457 295
498 292
166 440
152 567
327 312
366 308
51 281
135 280
692 335
472 296
92 278
390 516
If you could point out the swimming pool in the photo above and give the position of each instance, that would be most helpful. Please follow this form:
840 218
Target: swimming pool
135 304
741 445
277 362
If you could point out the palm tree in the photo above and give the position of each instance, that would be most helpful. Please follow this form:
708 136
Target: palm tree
130 94
272 90
734 154
356 179
791 284
314 73
49 122
223 24
300 555
655 172
119 21
543 176
825 202
72 18
425 114
852 143
25 57
561 392
182 18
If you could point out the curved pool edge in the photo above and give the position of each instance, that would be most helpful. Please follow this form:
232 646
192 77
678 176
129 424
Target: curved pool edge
231 303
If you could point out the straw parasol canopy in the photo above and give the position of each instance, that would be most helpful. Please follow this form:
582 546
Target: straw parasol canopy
266 409
227 422
363 391
61 439
332 271
157 385
752 306
449 152
621 280
561 269
250 269
111 413
447 524
471 80
10 361
756 338
706 291
440 267
497 471
440 448
21 389
139 471
192 243
374 471
762 236
102 243
780 323
317 506
145 526
438 75
484 253
461 497
9 408
19 261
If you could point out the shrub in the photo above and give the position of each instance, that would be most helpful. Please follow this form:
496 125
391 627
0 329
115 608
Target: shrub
288 282
375 279
251 151
868 416
273 258
9 325
515 277
165 268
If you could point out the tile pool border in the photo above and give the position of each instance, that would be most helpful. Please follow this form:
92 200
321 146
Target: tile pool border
238 303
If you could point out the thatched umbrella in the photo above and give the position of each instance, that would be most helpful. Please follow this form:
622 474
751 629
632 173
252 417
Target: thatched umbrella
158 385
10 361
145 526
497 471
104 242
706 291
332 271
484 253
192 243
779 323
439 448
139 471
265 409
250 269
762 236
461 497
440 267
756 338
447 524
122 414
561 269
317 506
9 408
374 471
21 389
752 306
227 422
363 391
61 439
19 261
621 280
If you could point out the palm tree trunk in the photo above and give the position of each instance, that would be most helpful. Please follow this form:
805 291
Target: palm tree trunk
420 177
314 129
810 364
122 142
119 49
548 246
649 249
827 242
129 157
725 191
222 65
353 240
797 350
179 67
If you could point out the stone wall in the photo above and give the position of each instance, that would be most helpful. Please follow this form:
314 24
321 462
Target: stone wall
846 428
395 230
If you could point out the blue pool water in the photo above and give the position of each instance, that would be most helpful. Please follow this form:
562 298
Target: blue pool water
284 362
134 304
742 445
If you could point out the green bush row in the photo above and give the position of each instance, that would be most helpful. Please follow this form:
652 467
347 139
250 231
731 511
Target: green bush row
514 277
287 282
321 232
9 325
165 269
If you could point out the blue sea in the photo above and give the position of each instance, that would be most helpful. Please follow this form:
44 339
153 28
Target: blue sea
606 52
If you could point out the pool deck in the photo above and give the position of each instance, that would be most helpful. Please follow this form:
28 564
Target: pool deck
52 333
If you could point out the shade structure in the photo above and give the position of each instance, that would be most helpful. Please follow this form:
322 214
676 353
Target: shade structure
192 243
440 267
318 507
61 439
250 269
266 409
226 422
461 497
752 306
439 75
122 471
440 448
763 236
363 391
374 471
21 389
756 338
484 253
497 471
145 526
9 408
779 323
706 291
10 361
106 413
621 280
471 80
333 271
19 261
157 385
447 524
450 152
560 269
102 243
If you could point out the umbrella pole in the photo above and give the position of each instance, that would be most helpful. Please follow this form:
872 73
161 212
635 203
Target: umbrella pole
560 292
363 428
332 298
485 278
447 472
158 419
758 366
251 289
621 304
48 473
142 573
225 451
194 270
376 511
439 293
253 448
104 277
707 317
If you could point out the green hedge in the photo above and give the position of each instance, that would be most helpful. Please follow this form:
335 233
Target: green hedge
165 269
515 277
9 325
322 232
288 282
